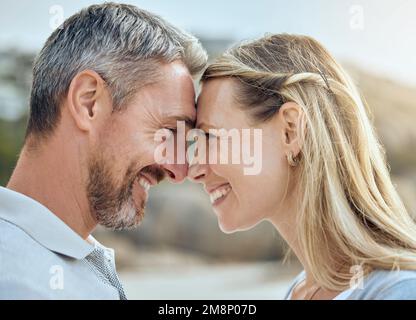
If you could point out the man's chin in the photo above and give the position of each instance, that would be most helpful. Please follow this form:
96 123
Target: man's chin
126 218
130 218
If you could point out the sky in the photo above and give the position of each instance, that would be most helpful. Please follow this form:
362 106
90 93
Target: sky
378 35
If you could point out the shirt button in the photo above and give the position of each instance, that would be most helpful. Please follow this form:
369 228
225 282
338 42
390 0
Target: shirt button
108 256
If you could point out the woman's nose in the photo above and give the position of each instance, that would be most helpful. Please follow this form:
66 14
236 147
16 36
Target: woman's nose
197 172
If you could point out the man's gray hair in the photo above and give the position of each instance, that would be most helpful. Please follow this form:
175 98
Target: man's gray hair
122 43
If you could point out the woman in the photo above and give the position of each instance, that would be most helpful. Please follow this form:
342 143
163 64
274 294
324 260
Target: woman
324 183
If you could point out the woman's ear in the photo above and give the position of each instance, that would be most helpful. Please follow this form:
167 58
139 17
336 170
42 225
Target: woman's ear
290 116
84 96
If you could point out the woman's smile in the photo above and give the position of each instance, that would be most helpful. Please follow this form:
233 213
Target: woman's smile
218 194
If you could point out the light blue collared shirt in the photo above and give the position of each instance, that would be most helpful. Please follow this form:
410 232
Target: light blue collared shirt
377 285
43 258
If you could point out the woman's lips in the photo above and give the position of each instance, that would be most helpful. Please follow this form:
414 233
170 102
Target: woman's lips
219 193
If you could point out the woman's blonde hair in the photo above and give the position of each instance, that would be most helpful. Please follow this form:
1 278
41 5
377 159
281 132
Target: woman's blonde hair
350 213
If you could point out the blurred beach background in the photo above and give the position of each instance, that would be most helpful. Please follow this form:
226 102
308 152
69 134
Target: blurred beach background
179 252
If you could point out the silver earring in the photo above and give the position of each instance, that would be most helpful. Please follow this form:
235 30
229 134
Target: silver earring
293 161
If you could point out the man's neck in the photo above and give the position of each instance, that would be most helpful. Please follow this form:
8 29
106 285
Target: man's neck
54 179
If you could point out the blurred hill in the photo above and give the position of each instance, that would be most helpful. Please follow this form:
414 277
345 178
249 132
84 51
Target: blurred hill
394 111
180 217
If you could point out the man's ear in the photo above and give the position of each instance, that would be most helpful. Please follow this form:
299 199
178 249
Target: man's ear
291 118
85 92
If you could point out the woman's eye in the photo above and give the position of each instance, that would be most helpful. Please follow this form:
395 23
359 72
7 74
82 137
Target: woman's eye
190 142
207 136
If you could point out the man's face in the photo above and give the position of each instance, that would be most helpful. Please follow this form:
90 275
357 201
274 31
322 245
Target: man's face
122 165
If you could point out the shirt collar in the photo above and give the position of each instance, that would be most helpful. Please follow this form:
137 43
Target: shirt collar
42 225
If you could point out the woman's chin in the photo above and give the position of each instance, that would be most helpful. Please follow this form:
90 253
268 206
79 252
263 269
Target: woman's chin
229 226
227 229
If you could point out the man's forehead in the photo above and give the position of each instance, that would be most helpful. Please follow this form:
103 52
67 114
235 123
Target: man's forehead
169 101
175 74
178 93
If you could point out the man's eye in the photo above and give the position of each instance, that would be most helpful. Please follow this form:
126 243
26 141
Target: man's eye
210 135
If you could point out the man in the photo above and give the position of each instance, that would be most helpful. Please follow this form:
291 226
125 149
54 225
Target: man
103 85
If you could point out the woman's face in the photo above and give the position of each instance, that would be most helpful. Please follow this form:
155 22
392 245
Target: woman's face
240 201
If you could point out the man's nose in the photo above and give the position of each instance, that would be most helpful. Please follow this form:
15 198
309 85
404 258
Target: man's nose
198 172
176 172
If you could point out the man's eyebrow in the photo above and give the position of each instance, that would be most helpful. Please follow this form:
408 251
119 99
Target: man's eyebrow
204 125
190 122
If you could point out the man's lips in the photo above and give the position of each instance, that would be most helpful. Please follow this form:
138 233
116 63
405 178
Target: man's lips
144 180
144 183
151 180
153 174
